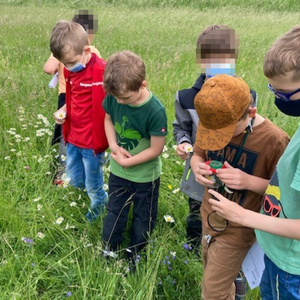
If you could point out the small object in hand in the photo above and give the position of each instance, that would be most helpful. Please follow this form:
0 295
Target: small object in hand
188 148
214 166
60 116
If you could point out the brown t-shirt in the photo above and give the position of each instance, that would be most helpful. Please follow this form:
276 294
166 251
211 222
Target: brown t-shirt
258 157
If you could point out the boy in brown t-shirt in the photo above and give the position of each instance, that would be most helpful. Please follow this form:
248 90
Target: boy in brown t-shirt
249 147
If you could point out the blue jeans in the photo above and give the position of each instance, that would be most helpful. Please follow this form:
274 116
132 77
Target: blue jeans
277 284
84 169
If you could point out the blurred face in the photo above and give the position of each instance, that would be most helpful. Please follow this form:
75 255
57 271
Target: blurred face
216 64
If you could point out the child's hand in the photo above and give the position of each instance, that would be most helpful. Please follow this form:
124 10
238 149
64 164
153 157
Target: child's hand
233 178
182 152
60 115
120 155
229 210
201 171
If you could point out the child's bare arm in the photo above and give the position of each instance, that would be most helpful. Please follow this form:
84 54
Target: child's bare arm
51 65
110 133
235 178
235 213
156 146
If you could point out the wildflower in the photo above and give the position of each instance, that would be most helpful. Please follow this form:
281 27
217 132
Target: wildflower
173 254
188 148
26 167
169 187
63 157
169 219
176 191
33 264
19 153
65 181
59 220
61 115
105 187
12 150
37 199
26 139
165 155
7 157
73 204
174 147
41 235
39 133
165 149
27 240
39 207
187 247
109 253
68 294
186 261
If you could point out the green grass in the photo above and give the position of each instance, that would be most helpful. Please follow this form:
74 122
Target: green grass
164 34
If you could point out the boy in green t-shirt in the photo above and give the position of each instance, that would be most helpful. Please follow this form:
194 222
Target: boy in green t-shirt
136 127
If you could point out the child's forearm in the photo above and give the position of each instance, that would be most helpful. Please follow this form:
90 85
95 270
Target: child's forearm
288 228
257 184
110 133
155 149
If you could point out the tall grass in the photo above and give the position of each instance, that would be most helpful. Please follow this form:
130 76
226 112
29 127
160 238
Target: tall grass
41 258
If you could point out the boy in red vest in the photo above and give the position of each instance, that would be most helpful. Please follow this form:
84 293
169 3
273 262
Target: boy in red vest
82 116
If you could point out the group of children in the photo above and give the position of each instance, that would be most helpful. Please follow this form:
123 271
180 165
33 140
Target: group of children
108 105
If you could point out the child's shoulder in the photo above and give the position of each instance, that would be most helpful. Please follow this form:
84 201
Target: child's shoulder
270 133
153 100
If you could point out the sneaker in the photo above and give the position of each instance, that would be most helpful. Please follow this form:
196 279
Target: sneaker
241 286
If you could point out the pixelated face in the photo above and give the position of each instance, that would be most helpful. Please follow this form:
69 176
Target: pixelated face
285 84
217 48
217 61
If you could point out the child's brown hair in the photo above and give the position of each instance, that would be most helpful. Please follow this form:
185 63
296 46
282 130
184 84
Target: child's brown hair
125 71
284 55
67 36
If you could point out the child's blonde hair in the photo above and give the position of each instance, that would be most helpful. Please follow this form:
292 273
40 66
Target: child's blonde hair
67 36
125 71
284 55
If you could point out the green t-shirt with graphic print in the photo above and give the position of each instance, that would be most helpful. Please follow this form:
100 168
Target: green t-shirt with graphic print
134 126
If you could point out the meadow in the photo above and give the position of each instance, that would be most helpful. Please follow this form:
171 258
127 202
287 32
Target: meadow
47 248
